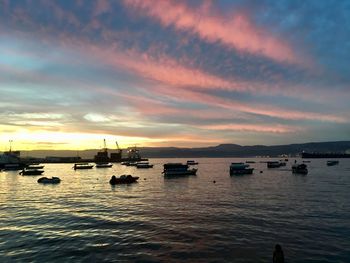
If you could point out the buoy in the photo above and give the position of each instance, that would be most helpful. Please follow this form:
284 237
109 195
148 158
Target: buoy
214 181
261 172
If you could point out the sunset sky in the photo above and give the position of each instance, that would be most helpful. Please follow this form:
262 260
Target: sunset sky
173 73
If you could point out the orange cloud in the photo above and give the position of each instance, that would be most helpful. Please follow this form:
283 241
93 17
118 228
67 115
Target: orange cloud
237 31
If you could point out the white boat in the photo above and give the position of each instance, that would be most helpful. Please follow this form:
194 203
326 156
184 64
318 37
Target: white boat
144 165
79 166
104 165
240 169
192 162
178 169
35 166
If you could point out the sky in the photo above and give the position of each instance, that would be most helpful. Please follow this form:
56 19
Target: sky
173 73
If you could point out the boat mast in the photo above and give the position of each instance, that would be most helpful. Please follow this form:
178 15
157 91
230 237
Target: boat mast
104 145
10 141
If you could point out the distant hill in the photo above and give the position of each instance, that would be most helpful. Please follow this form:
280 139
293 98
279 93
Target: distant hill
222 150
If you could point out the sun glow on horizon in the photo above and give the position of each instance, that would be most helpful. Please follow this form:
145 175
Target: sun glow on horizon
68 141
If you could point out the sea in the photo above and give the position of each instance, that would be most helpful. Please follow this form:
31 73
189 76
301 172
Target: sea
210 217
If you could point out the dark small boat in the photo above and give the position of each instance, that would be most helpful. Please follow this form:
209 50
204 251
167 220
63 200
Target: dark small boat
273 164
240 169
79 166
130 163
250 161
144 165
300 169
192 162
31 172
45 180
177 169
13 167
332 163
123 179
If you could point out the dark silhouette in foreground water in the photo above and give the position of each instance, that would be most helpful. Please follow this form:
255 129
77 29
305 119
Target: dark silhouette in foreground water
278 256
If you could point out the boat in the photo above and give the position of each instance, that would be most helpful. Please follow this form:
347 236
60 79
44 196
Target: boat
331 163
35 166
192 162
45 180
250 161
273 164
10 160
82 166
131 164
13 166
123 179
31 172
306 161
178 169
144 165
240 169
299 169
103 165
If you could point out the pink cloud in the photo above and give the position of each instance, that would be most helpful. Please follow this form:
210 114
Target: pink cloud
237 31
252 128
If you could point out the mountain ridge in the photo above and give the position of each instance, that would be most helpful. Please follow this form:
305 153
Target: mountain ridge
220 150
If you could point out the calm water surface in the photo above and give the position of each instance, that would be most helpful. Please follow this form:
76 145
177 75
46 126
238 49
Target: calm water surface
237 219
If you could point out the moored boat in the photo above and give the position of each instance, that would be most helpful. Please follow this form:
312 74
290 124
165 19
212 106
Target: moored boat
45 180
123 179
144 165
192 162
35 166
130 163
31 172
240 169
103 165
79 166
300 169
273 164
13 167
331 163
178 169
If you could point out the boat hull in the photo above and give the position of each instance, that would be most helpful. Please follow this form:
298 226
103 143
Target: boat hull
45 180
241 171
126 180
300 171
104 165
144 166
180 173
31 172
83 167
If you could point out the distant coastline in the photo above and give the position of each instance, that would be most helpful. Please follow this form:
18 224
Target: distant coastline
222 150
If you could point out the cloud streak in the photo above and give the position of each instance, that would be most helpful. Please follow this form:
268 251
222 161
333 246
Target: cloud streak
236 31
